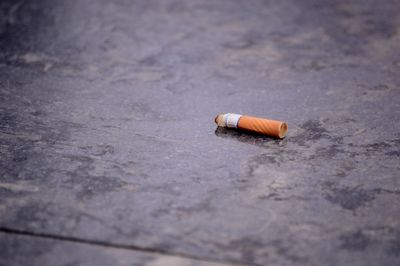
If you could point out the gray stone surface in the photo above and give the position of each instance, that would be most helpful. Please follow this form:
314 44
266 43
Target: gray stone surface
107 131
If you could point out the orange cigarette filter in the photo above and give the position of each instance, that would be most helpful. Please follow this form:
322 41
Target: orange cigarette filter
273 128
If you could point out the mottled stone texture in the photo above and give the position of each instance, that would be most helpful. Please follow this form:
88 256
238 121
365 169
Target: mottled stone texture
108 144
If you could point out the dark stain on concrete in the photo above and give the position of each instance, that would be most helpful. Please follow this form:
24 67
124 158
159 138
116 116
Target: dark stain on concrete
86 184
313 130
350 198
393 248
328 152
393 153
380 87
354 241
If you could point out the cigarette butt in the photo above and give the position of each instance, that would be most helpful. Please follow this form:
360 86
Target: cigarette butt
273 128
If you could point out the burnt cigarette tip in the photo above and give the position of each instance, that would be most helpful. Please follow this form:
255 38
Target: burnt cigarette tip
219 120
216 119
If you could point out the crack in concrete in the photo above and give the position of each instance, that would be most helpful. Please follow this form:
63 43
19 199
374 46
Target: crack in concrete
100 243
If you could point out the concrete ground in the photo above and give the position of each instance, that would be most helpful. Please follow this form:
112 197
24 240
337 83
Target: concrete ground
109 154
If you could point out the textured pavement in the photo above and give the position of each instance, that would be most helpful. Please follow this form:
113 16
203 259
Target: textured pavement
109 154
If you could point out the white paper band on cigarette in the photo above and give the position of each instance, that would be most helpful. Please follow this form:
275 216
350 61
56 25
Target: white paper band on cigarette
231 120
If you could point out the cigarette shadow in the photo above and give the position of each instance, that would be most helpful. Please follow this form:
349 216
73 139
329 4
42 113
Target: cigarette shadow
245 136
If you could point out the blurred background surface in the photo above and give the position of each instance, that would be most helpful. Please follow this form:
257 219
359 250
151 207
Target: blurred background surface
109 154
